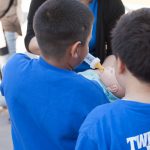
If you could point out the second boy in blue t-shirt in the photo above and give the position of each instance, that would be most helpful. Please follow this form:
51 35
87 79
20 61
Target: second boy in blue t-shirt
125 124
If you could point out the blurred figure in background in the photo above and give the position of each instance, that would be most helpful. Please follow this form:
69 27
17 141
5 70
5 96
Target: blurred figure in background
11 28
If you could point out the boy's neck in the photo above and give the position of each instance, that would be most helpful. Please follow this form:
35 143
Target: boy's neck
137 91
61 63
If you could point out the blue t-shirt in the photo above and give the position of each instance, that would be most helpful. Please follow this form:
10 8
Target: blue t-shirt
122 125
46 104
93 6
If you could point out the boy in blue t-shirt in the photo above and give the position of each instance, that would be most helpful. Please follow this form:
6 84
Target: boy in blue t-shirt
125 124
47 101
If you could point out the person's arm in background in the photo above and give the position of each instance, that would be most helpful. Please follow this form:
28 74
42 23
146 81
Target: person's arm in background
33 46
30 39
115 10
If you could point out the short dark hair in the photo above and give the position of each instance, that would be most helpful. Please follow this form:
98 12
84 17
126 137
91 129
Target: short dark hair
131 42
59 23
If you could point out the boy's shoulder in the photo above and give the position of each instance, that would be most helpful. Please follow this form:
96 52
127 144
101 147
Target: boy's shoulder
91 77
15 63
88 85
86 90
20 56
17 59
83 81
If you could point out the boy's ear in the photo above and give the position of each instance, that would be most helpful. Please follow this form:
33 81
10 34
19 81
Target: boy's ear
120 65
74 51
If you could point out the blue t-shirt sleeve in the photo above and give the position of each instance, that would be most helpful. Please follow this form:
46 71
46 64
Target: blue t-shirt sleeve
10 70
85 143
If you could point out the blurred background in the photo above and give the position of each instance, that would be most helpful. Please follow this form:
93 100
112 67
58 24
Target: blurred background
5 136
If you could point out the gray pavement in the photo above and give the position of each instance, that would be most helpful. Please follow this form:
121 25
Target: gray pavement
5 134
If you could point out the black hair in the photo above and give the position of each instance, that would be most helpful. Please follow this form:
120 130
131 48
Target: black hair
131 42
60 23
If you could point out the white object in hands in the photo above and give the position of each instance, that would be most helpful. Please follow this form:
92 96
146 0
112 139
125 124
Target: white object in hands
94 62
